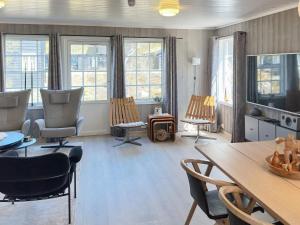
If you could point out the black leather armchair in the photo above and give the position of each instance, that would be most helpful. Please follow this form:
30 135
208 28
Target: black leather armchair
40 177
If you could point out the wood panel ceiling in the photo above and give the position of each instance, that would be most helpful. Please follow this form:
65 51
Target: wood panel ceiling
195 14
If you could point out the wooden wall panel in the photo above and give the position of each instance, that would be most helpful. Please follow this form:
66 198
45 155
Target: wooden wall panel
277 33
225 117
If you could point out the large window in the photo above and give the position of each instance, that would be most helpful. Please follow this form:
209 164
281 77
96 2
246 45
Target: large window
26 57
225 70
88 66
144 68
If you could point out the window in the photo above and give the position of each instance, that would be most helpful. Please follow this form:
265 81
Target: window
268 74
88 66
26 57
143 68
225 70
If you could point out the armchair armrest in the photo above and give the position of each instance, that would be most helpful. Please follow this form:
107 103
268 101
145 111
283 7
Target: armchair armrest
79 124
26 127
75 154
40 124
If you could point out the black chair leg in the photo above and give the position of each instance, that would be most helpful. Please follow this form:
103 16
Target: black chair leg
75 188
69 202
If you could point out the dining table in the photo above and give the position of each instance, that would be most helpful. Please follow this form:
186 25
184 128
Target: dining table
245 164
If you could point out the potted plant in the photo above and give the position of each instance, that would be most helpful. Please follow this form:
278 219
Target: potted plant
158 105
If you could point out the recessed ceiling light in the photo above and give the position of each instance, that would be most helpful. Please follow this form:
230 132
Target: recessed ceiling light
2 3
169 7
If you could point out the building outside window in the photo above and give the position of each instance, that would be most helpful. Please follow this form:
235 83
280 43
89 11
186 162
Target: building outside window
143 68
225 70
26 56
88 63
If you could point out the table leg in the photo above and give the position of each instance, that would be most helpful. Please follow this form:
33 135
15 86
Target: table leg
25 151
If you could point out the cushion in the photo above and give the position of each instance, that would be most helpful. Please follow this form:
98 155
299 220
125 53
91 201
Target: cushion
60 98
131 125
196 121
58 132
8 102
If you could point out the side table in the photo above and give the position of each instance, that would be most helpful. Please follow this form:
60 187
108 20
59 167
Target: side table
166 120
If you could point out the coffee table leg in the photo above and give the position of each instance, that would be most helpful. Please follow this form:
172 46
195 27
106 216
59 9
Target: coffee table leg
25 151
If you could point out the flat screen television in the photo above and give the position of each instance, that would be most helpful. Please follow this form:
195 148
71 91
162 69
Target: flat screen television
274 81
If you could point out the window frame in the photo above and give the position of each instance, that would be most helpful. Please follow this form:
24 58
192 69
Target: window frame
223 102
163 70
25 37
66 60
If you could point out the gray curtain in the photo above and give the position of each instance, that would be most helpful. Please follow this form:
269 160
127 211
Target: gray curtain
54 78
170 95
118 79
252 79
239 87
212 70
118 87
1 62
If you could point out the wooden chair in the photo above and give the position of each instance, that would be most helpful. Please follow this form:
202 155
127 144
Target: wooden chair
207 200
201 111
124 114
239 213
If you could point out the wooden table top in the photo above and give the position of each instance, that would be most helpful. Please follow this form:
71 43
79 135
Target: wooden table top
245 164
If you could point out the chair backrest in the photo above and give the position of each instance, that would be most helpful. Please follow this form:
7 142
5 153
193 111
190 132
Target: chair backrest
198 181
238 213
33 176
201 107
61 107
123 110
13 109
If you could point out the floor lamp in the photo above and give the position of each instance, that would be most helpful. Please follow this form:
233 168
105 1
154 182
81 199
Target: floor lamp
195 62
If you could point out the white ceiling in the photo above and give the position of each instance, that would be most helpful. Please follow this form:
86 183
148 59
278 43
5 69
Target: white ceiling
195 14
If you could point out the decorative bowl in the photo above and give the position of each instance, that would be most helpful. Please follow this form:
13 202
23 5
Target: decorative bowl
278 170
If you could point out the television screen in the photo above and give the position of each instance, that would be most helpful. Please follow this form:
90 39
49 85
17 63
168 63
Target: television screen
274 81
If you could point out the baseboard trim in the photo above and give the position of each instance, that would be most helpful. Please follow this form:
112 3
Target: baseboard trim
94 133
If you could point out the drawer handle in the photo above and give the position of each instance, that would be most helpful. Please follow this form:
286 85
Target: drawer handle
251 129
266 135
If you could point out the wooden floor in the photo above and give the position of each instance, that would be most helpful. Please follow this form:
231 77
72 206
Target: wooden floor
133 185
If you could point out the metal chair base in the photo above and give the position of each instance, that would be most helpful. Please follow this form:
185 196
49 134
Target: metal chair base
127 140
61 144
198 136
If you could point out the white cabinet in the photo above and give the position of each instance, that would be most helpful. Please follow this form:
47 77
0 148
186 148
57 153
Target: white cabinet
251 128
266 131
256 129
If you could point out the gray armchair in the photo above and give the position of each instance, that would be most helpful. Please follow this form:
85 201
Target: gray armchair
13 109
61 113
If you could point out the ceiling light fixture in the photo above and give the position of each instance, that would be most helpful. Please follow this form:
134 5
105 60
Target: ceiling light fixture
169 7
2 3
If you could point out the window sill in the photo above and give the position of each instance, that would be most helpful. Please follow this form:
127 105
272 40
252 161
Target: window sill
94 102
146 103
225 104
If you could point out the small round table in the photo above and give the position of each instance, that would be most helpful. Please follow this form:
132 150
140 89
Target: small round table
26 144
11 140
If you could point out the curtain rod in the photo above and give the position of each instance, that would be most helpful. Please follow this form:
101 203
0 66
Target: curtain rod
74 35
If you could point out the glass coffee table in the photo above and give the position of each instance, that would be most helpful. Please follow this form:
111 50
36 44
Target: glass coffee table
26 144
15 141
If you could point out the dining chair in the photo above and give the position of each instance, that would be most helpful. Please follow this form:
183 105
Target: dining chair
239 213
206 199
